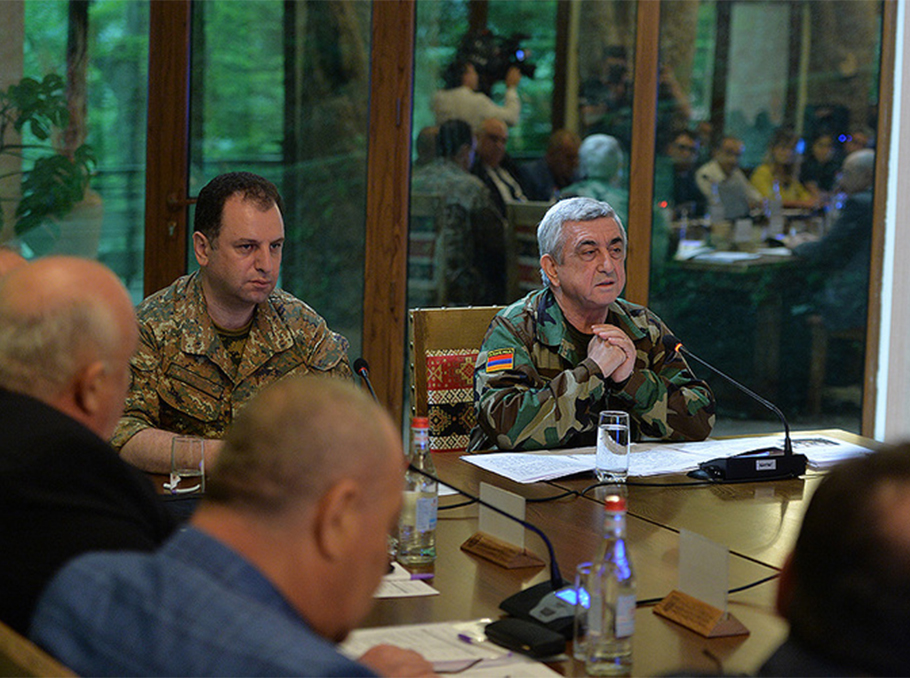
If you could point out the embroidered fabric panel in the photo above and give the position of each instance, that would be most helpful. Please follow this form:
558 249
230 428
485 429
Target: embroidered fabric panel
450 398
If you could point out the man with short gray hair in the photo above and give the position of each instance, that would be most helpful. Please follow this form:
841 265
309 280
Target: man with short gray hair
551 362
67 330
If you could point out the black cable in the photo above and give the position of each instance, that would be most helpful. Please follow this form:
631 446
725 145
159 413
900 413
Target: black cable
738 589
454 506
540 500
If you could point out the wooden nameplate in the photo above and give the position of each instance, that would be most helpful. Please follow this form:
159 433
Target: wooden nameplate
502 553
698 616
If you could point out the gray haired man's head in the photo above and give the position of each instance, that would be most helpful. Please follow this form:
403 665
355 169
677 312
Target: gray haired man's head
550 232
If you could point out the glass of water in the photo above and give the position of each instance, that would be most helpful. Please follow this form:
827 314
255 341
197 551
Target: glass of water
612 460
187 465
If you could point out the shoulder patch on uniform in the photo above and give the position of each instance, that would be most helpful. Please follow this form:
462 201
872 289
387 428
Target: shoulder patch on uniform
500 359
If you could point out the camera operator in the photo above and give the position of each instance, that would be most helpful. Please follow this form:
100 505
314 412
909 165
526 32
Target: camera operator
462 101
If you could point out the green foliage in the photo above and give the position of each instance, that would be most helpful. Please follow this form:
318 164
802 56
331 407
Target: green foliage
53 183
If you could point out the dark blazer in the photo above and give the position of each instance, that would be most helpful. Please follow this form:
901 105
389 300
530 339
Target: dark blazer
63 491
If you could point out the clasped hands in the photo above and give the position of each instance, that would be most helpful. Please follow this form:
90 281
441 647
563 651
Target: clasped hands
613 351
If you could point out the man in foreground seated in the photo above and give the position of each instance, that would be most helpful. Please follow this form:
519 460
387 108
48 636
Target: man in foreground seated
213 339
551 362
279 562
845 589
67 329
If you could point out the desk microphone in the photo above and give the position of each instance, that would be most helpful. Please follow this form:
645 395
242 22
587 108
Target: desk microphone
362 367
539 603
764 464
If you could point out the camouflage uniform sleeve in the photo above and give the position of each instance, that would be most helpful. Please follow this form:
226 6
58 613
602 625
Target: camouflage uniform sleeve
141 408
663 394
517 408
329 353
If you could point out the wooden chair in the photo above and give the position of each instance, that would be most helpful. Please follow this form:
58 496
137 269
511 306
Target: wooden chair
821 336
524 269
426 276
21 657
444 343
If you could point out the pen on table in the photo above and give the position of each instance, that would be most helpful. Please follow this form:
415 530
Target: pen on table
422 575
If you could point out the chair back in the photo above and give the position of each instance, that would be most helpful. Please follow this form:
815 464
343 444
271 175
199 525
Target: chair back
21 657
524 272
444 343
426 275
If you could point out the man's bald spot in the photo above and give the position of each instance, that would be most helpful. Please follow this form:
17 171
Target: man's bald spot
297 438
53 283
10 259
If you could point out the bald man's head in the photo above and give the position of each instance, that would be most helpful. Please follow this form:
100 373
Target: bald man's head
491 141
67 324
9 259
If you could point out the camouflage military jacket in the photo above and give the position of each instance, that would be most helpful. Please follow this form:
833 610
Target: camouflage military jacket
182 378
534 388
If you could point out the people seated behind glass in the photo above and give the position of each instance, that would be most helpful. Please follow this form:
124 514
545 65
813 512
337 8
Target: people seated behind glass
546 177
843 254
845 588
67 330
473 238
213 338
603 165
781 168
426 145
605 98
722 176
820 166
461 100
674 176
553 360
495 167
278 563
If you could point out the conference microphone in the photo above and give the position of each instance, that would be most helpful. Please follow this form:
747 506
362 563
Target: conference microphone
543 603
362 367
764 464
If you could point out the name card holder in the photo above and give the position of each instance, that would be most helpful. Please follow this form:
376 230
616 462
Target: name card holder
698 616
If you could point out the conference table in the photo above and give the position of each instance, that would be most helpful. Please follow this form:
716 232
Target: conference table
757 522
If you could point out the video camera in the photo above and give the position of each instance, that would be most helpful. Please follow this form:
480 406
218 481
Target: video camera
493 55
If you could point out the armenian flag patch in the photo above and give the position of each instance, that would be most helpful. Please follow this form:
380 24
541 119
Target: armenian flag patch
500 359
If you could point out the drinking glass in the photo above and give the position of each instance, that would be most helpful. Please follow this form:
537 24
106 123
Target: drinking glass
187 465
612 459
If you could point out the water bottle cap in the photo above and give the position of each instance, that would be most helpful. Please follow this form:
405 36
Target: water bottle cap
615 503
420 422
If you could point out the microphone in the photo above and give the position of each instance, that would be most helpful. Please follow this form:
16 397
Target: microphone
764 464
541 603
362 367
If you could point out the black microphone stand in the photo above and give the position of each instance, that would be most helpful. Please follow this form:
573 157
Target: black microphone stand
767 463
537 603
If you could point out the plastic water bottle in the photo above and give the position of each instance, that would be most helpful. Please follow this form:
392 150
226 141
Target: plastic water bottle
716 214
417 523
611 616
775 211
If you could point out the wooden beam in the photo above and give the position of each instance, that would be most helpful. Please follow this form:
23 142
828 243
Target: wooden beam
641 173
167 164
879 200
388 178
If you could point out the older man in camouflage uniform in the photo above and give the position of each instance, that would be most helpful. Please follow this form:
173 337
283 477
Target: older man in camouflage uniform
213 339
552 361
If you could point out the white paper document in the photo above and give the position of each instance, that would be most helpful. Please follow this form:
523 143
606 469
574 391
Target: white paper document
653 459
400 583
452 647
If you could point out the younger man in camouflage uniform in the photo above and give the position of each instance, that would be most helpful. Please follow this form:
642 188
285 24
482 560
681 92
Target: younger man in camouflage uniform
213 339
552 361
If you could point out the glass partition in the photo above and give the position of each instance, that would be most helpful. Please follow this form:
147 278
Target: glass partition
282 89
100 53
767 276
